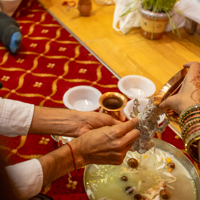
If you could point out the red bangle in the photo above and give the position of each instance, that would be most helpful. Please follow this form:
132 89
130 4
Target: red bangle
72 156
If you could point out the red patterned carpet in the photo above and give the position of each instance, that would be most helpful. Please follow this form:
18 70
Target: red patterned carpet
50 62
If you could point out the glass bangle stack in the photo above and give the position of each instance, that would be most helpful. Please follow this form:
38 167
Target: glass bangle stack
189 122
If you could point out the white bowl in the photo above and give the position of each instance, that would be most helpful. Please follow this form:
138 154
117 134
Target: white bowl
143 102
82 98
135 86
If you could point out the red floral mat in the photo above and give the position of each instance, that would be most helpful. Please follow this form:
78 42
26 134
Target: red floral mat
50 62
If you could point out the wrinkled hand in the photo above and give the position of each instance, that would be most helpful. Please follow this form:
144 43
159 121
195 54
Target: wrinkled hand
189 94
66 122
86 121
106 145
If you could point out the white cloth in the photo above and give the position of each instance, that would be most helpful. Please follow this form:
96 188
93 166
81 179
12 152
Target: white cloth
188 8
15 119
26 178
124 23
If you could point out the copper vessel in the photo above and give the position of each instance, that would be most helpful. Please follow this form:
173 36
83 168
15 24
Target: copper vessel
170 88
113 103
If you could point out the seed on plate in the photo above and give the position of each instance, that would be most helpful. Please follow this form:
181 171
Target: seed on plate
165 194
129 190
124 178
132 162
138 197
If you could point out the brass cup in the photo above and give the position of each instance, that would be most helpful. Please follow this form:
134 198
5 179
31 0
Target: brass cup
113 103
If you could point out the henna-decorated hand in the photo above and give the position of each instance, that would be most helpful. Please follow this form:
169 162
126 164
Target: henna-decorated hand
189 94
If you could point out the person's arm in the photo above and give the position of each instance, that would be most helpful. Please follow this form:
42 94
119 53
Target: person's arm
66 122
18 118
106 145
189 93
187 104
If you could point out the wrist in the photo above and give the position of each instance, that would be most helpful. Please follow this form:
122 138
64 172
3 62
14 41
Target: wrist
189 122
55 121
56 164
78 153
183 106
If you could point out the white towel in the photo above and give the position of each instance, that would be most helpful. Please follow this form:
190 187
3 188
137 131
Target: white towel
188 8
128 21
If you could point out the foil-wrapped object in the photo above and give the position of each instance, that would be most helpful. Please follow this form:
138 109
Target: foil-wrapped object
147 125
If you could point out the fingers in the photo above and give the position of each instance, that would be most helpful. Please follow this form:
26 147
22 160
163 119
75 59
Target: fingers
123 128
131 136
189 64
194 68
117 122
169 103
108 120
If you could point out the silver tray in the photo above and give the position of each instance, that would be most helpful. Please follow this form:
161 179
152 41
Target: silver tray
64 139
181 157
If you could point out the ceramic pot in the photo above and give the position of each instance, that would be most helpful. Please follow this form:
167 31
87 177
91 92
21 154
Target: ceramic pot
113 103
85 7
153 24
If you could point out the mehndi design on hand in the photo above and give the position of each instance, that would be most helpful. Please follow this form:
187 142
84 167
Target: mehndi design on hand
196 82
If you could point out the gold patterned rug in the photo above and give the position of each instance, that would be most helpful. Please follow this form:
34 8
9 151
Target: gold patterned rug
51 61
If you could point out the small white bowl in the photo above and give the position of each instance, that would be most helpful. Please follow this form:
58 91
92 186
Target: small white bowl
143 102
135 86
82 98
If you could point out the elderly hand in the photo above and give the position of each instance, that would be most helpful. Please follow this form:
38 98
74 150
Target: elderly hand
189 94
106 145
86 121
65 122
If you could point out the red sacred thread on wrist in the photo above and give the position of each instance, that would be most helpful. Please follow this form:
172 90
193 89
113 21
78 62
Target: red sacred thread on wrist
72 156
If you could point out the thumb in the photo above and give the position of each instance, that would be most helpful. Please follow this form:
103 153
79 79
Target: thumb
169 103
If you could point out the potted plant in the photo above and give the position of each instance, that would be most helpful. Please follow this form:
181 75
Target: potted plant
155 15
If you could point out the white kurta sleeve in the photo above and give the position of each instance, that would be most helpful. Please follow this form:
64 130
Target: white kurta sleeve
15 117
26 178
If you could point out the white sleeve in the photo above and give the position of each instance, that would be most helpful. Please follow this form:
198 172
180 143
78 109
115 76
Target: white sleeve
15 117
26 178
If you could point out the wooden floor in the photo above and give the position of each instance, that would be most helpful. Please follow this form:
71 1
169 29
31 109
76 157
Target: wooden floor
127 54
